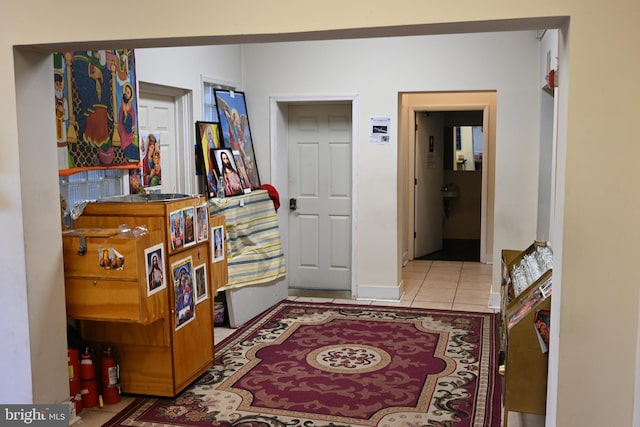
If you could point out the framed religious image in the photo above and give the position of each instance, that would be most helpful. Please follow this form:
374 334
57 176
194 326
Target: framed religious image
150 163
242 171
228 170
217 243
182 274
236 132
189 220
176 225
202 223
156 279
207 139
200 274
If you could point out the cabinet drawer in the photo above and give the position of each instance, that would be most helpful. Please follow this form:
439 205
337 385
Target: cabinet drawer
100 299
113 257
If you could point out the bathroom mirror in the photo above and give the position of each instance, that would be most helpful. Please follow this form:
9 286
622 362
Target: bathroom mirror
463 141
467 148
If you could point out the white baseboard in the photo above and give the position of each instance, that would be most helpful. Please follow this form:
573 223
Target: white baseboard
381 292
494 300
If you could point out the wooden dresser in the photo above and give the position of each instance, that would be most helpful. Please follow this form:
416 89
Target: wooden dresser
161 330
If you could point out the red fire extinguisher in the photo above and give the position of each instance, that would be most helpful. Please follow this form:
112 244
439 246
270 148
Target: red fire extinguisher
73 358
88 381
109 374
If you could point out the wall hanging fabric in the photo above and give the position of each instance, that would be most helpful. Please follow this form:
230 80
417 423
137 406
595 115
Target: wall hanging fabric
96 109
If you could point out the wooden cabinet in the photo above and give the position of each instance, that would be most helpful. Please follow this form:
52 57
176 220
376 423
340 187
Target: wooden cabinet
96 288
524 361
162 337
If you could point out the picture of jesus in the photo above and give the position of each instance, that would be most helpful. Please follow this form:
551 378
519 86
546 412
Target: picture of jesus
217 243
156 280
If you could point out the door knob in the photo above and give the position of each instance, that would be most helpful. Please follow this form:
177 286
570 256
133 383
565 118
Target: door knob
293 204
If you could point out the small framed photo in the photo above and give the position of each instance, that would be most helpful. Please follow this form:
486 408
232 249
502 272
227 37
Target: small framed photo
201 283
184 302
156 279
189 220
202 223
234 184
176 229
217 243
208 138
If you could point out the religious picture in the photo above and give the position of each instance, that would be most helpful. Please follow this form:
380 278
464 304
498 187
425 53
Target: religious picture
202 223
176 221
156 280
96 108
229 172
189 218
185 310
201 283
150 161
217 243
208 139
236 133
110 259
135 182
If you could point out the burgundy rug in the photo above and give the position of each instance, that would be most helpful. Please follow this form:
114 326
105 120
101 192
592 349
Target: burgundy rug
320 364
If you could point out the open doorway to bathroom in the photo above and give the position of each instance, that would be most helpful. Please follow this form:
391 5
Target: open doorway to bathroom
448 185
450 192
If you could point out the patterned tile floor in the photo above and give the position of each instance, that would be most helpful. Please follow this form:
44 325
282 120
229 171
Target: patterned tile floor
449 285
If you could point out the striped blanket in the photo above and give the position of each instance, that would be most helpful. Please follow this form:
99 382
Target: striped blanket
254 249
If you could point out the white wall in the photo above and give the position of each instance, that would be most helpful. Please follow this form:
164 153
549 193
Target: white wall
376 70
183 67
546 180
45 322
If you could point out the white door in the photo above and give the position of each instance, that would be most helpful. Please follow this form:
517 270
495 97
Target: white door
319 164
157 115
429 152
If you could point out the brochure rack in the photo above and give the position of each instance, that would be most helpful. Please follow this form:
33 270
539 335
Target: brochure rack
524 359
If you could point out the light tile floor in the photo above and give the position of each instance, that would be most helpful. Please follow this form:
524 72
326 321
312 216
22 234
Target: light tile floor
448 285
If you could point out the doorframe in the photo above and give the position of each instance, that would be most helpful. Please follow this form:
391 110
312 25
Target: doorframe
279 147
185 137
488 166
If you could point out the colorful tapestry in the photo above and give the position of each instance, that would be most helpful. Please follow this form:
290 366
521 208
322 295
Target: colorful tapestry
96 108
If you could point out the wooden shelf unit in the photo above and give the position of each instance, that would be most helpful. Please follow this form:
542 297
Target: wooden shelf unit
155 358
525 366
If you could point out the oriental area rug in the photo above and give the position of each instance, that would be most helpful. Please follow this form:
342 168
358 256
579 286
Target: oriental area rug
322 364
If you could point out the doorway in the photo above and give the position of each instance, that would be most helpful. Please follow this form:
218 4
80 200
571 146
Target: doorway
319 164
164 111
449 149
446 103
319 269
